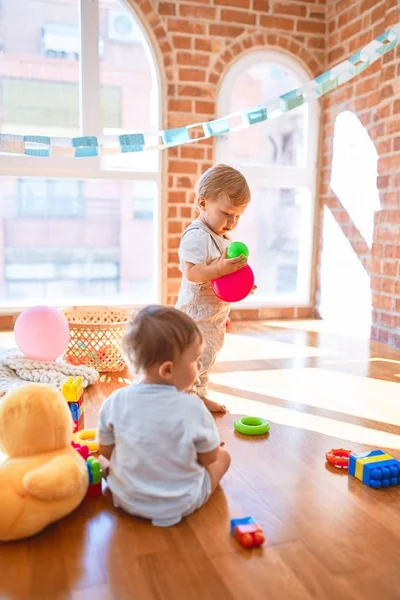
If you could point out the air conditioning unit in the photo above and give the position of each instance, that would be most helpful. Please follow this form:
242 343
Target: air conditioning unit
123 28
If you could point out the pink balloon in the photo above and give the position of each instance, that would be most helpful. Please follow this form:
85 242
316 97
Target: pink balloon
235 286
41 333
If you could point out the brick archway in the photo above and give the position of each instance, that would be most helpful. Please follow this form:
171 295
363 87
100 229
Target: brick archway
256 41
159 40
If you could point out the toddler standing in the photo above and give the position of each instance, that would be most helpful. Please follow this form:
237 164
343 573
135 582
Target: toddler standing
222 196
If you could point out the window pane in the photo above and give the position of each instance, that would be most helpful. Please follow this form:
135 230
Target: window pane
76 242
280 141
127 66
39 67
274 226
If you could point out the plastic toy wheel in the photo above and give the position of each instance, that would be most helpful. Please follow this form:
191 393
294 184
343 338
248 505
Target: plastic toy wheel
252 426
338 457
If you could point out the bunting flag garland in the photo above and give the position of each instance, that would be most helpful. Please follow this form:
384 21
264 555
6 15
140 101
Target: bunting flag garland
89 146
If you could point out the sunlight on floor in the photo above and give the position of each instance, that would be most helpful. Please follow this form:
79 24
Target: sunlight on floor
321 326
242 347
346 432
338 392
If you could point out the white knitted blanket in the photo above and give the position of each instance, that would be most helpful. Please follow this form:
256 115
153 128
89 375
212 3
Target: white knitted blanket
16 369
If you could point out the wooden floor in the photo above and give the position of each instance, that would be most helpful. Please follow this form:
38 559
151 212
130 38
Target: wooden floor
328 536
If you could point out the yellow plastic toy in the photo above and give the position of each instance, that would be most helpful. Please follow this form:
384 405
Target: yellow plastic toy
72 389
87 437
43 478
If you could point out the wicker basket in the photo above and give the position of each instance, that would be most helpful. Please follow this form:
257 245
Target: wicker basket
96 334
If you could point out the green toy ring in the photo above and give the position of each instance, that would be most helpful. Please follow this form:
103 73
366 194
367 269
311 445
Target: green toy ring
252 426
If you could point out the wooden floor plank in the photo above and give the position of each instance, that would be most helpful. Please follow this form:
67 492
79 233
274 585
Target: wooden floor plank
328 536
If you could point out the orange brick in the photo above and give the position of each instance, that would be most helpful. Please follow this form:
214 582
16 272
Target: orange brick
277 23
194 91
195 59
367 5
234 3
390 268
351 30
192 74
177 197
310 26
182 42
185 26
195 152
186 212
173 257
174 273
172 212
167 8
289 8
237 16
173 242
230 31
175 227
180 105
262 5
185 182
197 12
204 107
181 166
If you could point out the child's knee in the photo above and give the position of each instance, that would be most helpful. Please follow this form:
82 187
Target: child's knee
225 458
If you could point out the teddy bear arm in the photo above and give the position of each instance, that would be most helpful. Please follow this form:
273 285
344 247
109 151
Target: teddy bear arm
59 478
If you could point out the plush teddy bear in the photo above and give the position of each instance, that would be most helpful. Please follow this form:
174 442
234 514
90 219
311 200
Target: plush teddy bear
44 478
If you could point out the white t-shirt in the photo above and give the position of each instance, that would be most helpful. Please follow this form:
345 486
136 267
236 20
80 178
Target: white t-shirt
158 432
197 247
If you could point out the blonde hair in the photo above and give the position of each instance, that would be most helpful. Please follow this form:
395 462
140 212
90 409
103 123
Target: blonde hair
157 334
224 181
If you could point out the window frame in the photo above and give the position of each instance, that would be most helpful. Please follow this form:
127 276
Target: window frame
280 176
90 124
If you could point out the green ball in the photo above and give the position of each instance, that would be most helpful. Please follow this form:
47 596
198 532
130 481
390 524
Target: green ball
236 249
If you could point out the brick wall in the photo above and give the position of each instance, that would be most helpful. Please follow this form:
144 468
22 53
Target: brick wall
375 99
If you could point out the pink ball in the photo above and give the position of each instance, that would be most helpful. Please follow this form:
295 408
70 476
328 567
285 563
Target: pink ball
41 333
235 286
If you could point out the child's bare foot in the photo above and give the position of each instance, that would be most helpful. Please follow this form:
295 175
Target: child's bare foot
213 406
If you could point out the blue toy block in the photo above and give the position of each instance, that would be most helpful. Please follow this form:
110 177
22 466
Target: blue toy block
376 469
244 521
76 411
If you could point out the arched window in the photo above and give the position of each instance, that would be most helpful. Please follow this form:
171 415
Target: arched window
77 230
278 158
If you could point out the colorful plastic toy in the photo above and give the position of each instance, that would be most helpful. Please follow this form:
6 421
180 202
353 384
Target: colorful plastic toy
247 532
338 457
251 426
376 469
238 285
237 249
82 450
72 390
86 437
234 286
41 333
95 475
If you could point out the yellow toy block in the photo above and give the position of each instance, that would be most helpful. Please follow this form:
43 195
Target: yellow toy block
72 389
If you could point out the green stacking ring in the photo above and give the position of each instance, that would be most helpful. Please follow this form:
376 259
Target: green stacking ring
252 426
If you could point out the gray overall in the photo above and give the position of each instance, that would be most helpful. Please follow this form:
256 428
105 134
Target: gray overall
209 312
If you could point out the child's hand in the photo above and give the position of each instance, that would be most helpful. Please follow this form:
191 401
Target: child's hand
230 265
253 290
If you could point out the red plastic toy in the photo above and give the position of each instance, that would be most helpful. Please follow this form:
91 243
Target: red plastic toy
338 457
247 532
